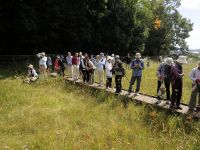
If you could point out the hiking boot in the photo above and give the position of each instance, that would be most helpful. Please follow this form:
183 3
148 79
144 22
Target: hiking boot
178 107
158 102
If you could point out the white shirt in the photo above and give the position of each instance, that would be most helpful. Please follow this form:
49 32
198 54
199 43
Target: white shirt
43 61
108 69
194 74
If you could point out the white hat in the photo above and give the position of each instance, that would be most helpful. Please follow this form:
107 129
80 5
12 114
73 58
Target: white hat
113 55
102 54
109 58
117 56
182 60
137 55
169 61
43 53
30 66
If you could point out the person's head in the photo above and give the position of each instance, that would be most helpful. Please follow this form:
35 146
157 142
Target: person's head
58 56
97 57
117 57
30 66
113 55
109 59
101 55
169 61
137 56
85 55
43 54
181 60
80 53
76 54
69 54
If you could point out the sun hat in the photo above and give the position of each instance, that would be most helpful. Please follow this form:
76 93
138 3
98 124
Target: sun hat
182 60
43 53
117 56
30 66
109 58
137 55
169 61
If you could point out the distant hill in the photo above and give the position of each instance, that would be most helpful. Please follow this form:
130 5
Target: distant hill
197 50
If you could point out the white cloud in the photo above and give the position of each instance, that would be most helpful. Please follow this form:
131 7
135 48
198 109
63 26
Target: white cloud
190 4
194 39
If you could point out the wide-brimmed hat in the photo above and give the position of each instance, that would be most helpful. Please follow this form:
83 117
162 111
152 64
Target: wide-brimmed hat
137 55
169 61
43 53
109 58
117 56
182 60
30 66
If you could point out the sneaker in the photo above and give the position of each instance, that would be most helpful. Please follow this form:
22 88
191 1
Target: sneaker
136 94
158 102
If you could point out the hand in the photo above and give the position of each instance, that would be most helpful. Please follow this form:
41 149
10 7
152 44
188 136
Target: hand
182 74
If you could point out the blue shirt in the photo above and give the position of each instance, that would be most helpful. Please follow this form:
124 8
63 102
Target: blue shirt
137 71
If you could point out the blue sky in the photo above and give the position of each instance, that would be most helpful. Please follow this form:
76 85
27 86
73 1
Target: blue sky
190 9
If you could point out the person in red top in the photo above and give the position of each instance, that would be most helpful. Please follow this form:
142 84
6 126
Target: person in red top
59 66
75 67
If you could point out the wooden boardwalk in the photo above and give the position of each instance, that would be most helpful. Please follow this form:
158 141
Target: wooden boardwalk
142 98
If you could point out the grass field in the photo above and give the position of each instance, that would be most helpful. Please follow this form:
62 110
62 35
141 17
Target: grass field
52 115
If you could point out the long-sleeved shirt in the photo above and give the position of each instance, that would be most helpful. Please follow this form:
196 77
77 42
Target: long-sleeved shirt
108 69
69 60
32 73
43 61
176 71
194 74
99 65
137 71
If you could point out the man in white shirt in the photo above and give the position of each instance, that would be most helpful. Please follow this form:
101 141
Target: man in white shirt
195 77
69 64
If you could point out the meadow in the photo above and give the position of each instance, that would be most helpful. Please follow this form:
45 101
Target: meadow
51 114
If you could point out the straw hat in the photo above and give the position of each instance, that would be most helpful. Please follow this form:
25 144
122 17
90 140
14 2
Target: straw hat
182 60
169 61
30 66
137 55
109 58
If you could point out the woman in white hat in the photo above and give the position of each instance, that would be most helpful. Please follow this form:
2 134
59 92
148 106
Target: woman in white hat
177 82
108 67
32 74
42 63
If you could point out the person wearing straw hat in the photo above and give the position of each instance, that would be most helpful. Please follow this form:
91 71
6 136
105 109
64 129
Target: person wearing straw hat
32 74
137 66
163 74
195 77
177 82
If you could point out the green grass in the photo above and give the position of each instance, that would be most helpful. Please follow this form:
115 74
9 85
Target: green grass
52 115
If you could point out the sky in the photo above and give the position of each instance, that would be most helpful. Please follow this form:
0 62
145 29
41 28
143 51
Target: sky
190 9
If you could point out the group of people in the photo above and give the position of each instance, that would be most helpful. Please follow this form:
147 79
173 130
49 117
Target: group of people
170 74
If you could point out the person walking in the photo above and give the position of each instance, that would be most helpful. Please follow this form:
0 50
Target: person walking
163 74
69 64
119 72
109 72
75 67
195 77
137 66
99 70
177 82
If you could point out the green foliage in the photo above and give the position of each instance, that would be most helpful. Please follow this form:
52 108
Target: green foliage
112 26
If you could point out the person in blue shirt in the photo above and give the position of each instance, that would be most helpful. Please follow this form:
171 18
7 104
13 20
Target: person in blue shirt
137 65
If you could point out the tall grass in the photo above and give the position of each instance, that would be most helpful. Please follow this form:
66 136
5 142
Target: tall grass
53 115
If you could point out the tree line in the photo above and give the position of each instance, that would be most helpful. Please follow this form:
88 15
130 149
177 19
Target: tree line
111 26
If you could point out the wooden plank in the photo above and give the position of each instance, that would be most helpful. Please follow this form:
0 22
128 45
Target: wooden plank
143 98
